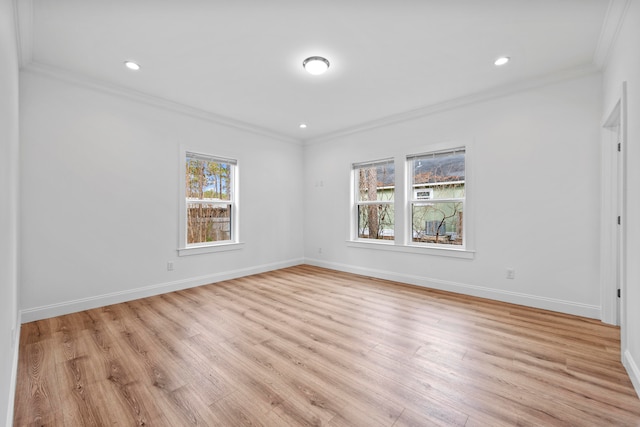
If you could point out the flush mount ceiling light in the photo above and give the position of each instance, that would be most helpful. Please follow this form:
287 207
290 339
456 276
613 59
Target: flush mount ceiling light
501 61
131 65
302 126
316 65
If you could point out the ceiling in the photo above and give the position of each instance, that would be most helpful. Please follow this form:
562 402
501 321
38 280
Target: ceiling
240 61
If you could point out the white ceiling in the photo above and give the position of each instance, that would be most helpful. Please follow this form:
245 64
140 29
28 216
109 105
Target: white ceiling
242 59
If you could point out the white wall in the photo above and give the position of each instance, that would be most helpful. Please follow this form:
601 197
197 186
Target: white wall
8 206
535 183
624 65
99 185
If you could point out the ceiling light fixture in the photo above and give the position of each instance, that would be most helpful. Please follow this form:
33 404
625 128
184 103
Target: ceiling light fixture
501 61
303 126
131 65
316 65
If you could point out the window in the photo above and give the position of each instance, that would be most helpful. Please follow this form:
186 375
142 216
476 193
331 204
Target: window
437 197
210 209
432 211
374 199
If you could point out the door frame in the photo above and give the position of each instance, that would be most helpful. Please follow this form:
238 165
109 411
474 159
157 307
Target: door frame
613 204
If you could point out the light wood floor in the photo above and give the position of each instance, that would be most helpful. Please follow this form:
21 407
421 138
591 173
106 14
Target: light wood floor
308 346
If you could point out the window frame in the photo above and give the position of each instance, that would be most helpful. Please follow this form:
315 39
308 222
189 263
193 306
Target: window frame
403 242
357 203
412 201
233 243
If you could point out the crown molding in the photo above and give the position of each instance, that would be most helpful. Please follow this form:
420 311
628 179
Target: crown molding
498 92
115 90
23 17
613 21
463 101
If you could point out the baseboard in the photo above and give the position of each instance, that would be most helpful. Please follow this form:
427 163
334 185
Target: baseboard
568 307
44 312
14 375
632 369
578 309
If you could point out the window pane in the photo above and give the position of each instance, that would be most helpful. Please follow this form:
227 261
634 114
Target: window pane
375 222
375 181
207 222
208 179
437 222
438 175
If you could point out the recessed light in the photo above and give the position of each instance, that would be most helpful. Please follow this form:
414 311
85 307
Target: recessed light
131 65
303 126
502 60
316 65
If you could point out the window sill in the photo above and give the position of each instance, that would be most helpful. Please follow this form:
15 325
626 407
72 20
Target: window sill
205 249
414 249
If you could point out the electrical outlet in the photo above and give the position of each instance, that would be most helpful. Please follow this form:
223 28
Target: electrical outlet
511 273
169 266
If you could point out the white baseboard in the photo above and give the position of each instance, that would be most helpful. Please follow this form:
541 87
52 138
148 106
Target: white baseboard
44 312
14 375
568 307
632 369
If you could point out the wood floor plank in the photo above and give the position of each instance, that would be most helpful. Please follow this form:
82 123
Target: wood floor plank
306 346
37 402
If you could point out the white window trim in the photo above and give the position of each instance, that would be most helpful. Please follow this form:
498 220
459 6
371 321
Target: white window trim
234 244
207 249
388 245
402 213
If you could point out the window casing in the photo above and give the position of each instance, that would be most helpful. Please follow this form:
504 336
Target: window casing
374 199
429 207
209 204
437 198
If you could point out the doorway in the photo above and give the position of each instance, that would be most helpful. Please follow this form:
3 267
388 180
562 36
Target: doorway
612 242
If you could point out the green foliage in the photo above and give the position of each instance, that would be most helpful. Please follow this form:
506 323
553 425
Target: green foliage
208 179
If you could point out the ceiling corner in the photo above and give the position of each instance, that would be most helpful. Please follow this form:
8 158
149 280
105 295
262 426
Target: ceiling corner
610 28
